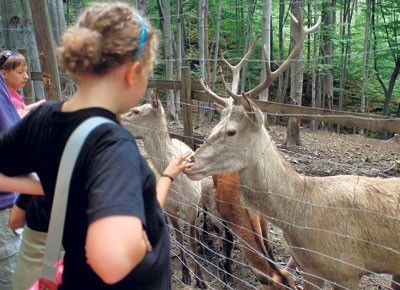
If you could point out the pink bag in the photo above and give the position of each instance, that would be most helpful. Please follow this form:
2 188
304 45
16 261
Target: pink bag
46 284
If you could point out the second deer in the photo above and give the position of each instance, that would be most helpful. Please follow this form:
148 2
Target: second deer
149 123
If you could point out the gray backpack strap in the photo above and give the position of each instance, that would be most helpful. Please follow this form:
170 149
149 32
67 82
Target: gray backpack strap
57 218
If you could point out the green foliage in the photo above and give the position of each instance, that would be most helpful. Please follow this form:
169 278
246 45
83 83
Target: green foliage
233 35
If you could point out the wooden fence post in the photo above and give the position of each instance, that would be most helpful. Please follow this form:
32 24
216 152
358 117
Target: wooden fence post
186 87
47 52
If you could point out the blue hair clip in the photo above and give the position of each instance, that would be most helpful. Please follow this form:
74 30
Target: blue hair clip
4 56
143 38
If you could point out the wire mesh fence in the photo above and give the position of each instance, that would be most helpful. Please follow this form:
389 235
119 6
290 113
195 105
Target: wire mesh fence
322 153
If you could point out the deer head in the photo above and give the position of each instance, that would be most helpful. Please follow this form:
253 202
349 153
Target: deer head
227 147
146 118
241 125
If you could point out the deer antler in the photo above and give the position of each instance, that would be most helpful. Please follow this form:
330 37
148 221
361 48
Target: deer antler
272 76
235 69
225 102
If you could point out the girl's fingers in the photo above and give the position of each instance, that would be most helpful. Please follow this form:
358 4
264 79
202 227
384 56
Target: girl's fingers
184 159
186 155
181 163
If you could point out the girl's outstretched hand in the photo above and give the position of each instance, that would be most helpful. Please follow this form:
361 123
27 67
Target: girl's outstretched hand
22 113
174 168
179 164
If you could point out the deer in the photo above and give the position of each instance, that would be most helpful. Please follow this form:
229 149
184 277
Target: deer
149 123
338 228
249 226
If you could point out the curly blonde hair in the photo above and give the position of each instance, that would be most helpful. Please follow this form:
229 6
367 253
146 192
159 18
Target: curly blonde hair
105 36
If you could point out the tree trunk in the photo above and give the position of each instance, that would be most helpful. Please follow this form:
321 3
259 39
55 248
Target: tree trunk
201 29
57 19
202 48
142 5
48 60
314 102
78 7
249 35
293 133
345 50
4 20
266 37
217 37
169 55
280 97
239 22
327 34
392 83
297 74
206 44
365 54
307 93
180 50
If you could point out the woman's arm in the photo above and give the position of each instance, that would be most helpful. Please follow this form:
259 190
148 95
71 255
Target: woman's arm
114 246
174 168
26 183
17 217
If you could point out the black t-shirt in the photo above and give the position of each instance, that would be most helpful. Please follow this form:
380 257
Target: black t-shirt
110 178
37 211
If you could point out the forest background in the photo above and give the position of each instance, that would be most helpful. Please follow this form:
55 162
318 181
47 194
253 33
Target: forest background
351 63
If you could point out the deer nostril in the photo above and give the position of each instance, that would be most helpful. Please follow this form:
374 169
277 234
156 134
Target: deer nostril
192 158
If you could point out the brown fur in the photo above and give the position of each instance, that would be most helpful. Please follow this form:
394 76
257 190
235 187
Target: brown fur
252 230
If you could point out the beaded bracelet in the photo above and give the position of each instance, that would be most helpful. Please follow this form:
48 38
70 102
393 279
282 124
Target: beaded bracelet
168 176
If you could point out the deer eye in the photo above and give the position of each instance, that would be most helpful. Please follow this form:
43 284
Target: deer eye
136 112
231 133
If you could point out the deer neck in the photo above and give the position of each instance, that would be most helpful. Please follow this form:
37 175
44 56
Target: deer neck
159 147
271 184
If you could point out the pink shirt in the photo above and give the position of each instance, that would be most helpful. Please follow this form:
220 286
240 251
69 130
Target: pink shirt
17 100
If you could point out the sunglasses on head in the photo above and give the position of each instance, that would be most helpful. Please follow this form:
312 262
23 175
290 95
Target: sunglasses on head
4 56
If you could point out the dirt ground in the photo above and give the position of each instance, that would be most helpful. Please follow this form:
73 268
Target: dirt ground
322 153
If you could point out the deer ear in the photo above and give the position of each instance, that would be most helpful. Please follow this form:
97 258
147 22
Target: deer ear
253 113
155 102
